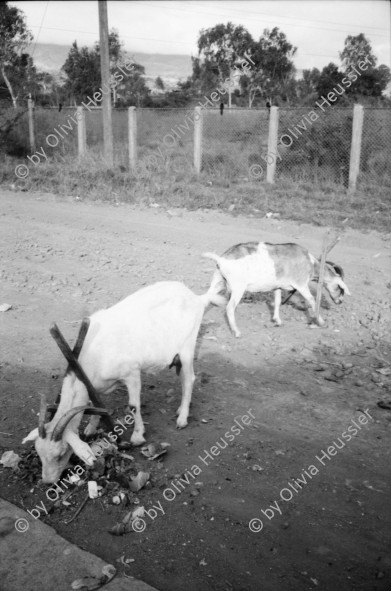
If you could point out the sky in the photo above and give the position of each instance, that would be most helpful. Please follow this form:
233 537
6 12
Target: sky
318 28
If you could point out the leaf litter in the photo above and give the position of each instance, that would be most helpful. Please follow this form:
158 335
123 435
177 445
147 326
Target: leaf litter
115 475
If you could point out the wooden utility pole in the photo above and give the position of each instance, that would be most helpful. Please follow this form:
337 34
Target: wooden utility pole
105 77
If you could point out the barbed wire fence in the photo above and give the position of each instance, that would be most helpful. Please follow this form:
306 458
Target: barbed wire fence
346 147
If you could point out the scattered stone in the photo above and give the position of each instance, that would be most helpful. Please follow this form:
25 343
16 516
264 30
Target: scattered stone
257 468
10 459
92 583
152 451
139 481
386 404
93 489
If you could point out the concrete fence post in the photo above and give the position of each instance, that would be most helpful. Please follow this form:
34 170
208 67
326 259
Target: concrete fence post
198 120
81 132
272 145
30 106
355 150
132 137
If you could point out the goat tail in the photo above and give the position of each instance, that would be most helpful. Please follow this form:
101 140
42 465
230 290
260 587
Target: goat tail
211 297
212 255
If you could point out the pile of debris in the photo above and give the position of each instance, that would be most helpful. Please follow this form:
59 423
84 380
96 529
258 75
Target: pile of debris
115 479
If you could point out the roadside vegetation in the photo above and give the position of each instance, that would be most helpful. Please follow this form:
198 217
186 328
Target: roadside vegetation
323 204
311 176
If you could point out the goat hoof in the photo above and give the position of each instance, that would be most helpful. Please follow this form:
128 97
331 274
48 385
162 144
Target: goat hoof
237 334
181 423
137 440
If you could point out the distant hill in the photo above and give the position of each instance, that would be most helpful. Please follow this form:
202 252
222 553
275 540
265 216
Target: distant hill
171 68
49 57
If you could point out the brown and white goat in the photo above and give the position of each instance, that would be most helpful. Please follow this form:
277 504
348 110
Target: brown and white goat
147 331
262 267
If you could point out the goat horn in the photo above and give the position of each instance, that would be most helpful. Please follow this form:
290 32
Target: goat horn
42 415
81 337
65 419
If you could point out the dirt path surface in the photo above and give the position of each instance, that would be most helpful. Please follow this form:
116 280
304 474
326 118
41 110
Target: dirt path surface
329 528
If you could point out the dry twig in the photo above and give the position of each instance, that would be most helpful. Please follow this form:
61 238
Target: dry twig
78 511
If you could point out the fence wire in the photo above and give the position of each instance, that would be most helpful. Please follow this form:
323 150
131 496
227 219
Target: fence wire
55 132
165 139
94 134
314 150
375 163
234 141
310 149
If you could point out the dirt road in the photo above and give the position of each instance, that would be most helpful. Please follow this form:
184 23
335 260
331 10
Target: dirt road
329 528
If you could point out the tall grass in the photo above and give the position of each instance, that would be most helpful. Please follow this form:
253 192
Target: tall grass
89 179
308 188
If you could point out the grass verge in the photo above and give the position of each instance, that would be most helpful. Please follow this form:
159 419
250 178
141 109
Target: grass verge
323 204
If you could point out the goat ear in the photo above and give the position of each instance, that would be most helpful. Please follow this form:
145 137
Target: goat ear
343 286
80 448
32 436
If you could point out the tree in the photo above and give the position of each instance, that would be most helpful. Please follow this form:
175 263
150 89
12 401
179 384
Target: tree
382 77
205 77
373 81
159 83
329 77
115 49
181 96
48 89
132 90
270 70
82 68
356 49
115 56
272 74
220 49
23 76
14 37
223 46
307 86
253 86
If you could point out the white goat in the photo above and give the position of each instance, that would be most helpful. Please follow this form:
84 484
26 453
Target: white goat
260 266
149 330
